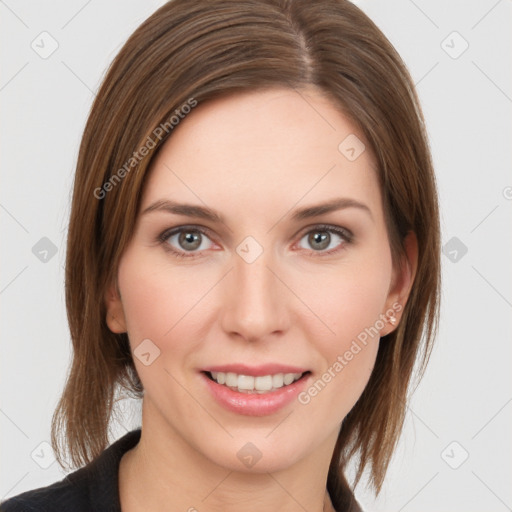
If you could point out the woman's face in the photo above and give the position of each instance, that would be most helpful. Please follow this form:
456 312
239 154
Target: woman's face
256 279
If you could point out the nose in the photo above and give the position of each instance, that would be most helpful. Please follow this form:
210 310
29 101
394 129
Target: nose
255 301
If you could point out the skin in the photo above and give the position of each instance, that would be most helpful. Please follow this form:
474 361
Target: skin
254 158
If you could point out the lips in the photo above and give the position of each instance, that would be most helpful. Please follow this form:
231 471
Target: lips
254 404
255 390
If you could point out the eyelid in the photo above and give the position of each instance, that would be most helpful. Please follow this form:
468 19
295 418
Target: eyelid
340 230
183 227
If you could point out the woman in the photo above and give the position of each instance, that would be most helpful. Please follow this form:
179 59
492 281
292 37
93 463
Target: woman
253 251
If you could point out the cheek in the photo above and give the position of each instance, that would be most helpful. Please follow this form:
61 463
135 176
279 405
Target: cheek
356 307
347 301
349 304
161 304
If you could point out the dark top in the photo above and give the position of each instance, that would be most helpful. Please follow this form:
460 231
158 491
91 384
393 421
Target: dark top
94 487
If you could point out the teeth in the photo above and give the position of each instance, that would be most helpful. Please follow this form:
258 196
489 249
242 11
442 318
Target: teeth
248 384
278 380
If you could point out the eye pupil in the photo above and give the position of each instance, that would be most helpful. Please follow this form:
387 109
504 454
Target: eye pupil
320 237
189 237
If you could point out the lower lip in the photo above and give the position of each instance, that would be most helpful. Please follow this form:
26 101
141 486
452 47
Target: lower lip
255 404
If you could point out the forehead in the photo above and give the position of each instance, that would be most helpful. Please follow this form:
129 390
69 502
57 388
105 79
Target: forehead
277 146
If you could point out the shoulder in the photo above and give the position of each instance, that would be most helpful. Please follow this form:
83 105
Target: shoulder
93 487
70 493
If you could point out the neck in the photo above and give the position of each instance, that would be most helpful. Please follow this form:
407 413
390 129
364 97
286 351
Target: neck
164 473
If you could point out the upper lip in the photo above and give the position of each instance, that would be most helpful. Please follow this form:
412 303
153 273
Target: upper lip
255 371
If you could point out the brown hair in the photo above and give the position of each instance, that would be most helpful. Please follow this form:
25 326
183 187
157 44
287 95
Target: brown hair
203 49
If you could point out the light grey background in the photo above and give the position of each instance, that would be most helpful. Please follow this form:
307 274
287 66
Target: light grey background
467 99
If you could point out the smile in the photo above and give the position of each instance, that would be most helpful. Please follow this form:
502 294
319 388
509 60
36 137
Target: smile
250 384
269 389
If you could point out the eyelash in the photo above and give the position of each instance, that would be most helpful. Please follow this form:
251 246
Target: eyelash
344 233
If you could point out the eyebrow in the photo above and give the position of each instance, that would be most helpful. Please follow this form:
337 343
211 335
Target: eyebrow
190 210
330 206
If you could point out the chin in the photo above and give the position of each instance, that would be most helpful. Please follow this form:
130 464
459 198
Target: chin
257 454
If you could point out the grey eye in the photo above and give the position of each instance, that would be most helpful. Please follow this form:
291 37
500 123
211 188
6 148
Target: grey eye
322 239
319 239
188 240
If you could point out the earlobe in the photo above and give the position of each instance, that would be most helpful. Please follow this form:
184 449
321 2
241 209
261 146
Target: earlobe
403 280
115 314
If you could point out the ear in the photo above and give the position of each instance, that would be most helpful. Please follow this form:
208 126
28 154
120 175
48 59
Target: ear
115 315
403 279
